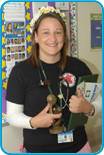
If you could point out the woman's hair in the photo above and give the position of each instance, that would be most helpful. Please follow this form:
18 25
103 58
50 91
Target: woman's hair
34 58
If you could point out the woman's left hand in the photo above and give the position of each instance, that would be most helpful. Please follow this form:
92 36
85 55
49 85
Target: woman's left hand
78 104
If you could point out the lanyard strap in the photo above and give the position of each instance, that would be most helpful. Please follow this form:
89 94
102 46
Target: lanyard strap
60 96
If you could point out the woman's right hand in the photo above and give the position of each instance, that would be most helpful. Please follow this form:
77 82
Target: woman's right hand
44 119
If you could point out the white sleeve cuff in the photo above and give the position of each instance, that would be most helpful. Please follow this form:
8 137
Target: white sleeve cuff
16 117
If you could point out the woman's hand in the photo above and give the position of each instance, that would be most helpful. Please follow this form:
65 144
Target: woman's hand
78 104
44 119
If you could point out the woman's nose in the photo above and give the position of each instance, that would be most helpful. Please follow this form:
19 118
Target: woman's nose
53 37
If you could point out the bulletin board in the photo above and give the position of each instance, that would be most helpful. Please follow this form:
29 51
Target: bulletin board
16 41
16 37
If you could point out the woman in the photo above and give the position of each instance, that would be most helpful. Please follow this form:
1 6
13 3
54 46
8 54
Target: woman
9 28
32 80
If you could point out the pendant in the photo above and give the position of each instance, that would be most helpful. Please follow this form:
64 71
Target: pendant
44 83
60 96
51 99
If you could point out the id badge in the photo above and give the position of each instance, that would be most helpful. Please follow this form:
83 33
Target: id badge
65 137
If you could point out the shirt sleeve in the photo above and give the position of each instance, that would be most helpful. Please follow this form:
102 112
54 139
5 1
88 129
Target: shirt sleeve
83 68
87 69
16 86
16 117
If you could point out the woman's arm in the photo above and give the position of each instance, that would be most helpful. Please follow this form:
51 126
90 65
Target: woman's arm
16 117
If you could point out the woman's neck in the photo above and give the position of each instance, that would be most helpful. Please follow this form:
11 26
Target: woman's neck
50 59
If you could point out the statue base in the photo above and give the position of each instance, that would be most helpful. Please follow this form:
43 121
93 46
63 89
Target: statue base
56 129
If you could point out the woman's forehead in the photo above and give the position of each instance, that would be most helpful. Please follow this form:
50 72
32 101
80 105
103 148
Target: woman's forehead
50 22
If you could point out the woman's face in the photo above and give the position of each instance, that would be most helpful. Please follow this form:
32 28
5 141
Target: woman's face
50 37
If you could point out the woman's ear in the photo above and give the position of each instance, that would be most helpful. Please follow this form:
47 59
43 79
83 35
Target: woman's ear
36 37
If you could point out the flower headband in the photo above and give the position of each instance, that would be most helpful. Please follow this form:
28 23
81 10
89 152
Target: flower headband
45 10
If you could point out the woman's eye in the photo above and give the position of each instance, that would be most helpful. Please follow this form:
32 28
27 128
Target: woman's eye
45 32
59 32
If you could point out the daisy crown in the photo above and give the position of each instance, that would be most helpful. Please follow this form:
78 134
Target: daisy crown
45 10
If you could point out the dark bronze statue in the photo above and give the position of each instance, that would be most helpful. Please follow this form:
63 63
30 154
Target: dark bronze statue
57 126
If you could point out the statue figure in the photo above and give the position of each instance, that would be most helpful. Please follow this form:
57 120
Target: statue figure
57 126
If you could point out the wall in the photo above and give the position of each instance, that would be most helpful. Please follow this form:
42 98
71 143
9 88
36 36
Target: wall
12 137
85 51
93 58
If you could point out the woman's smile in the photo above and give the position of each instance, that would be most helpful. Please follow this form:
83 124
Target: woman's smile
52 44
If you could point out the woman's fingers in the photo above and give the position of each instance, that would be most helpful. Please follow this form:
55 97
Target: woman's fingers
46 109
56 116
79 93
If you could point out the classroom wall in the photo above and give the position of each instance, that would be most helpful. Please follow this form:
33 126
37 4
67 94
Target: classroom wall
93 58
12 137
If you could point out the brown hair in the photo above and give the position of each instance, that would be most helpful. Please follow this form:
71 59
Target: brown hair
34 58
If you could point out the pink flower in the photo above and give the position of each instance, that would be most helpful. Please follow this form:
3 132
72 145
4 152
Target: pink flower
69 78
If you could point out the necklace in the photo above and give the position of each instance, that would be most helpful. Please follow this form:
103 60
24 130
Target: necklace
63 102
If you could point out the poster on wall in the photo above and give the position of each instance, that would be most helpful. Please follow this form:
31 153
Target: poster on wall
96 31
14 43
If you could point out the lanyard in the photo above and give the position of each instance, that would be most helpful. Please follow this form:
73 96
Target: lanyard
46 82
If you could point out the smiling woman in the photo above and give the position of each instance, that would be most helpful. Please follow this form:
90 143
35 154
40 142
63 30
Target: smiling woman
42 75
50 39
